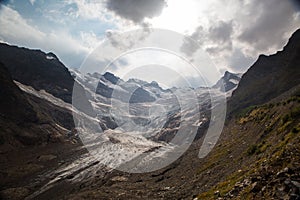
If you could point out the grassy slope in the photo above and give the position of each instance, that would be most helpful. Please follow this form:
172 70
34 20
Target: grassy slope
260 150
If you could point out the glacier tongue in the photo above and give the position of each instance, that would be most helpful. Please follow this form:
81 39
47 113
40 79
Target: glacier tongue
145 132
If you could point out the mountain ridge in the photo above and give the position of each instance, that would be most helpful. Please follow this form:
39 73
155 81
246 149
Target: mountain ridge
227 82
275 73
38 69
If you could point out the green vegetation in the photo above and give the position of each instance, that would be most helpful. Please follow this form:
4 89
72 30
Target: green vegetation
272 131
295 130
252 150
246 111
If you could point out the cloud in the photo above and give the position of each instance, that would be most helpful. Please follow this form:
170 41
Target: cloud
190 81
271 28
235 39
32 1
18 31
126 40
214 39
89 9
233 33
136 10
220 35
192 43
221 32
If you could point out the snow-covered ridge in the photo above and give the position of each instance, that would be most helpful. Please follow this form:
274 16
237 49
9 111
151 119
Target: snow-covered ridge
120 132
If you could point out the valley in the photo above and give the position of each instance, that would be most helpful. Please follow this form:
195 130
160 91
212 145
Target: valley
69 135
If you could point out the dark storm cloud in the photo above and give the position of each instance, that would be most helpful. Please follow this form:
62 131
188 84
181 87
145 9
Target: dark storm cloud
275 19
191 44
219 35
136 10
125 41
256 27
221 32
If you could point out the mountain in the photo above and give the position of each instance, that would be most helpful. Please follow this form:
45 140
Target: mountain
256 157
261 135
26 119
14 104
40 70
132 93
269 77
110 86
111 77
228 82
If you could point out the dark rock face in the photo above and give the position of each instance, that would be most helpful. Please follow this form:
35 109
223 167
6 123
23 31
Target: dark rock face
269 77
39 70
140 95
104 90
225 83
13 103
111 77
26 119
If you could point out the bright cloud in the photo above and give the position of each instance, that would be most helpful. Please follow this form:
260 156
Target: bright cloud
19 31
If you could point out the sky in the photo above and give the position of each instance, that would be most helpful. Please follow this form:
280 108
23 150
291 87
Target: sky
228 35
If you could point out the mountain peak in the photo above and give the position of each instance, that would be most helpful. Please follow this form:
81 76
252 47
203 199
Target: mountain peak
228 82
111 77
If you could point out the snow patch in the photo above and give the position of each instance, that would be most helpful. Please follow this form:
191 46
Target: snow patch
50 57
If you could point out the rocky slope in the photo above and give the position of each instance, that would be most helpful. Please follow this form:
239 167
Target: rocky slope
34 134
26 119
257 157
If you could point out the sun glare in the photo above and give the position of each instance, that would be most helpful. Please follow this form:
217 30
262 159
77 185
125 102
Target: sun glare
180 16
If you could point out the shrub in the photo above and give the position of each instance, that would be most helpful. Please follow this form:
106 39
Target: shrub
295 112
246 111
286 118
295 130
252 149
